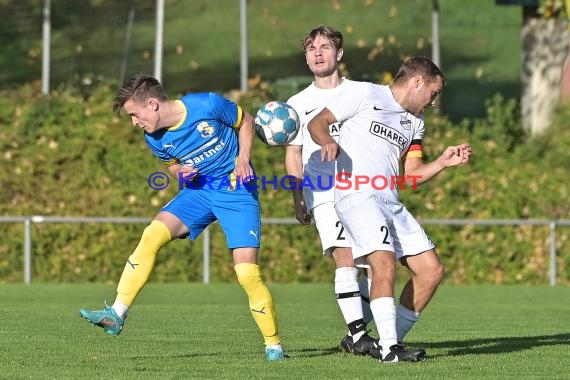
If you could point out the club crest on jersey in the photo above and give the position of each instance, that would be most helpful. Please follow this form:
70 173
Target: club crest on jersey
389 134
405 122
205 129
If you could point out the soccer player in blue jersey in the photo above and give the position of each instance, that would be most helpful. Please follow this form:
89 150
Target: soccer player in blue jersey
205 140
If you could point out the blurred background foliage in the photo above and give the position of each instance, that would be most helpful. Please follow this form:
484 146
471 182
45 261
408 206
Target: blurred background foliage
67 155
480 43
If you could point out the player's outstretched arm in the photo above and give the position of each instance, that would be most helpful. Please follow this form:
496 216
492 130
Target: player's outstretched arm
419 172
319 129
294 167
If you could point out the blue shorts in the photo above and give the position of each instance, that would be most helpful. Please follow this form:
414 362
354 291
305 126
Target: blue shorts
237 212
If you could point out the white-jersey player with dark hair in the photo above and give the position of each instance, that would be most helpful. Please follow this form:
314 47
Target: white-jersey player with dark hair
382 130
323 52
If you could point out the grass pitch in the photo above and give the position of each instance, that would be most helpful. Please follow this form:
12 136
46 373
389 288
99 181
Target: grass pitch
191 331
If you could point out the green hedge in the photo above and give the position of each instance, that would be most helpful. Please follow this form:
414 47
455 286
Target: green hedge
64 155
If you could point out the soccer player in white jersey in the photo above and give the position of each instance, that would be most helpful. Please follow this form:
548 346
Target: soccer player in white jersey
382 129
323 52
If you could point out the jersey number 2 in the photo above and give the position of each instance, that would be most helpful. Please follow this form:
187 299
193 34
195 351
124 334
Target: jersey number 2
385 230
340 233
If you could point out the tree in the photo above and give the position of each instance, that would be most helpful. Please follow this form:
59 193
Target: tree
546 49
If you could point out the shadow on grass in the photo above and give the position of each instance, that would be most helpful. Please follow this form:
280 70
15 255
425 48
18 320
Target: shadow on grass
495 345
314 352
501 345
304 353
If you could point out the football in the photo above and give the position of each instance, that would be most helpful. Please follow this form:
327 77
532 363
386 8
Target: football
276 123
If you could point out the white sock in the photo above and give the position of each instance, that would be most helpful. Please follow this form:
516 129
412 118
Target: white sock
121 309
364 286
384 310
405 320
275 347
346 282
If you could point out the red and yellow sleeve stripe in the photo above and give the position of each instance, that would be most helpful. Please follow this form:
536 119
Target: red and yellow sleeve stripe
415 149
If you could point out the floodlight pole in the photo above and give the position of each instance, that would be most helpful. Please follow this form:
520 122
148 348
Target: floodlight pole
158 46
243 45
46 31
127 45
435 48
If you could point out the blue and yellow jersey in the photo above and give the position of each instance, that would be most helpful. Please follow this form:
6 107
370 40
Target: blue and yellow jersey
205 138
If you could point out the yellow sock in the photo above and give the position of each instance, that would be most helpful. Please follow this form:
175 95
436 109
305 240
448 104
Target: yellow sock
140 263
260 301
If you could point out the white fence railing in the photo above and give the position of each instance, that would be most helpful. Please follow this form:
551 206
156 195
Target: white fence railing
29 220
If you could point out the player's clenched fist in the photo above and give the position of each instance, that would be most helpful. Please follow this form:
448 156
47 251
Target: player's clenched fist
456 155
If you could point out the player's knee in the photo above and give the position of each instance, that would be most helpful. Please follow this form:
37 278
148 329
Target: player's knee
439 272
248 275
248 282
342 257
156 232
153 238
434 273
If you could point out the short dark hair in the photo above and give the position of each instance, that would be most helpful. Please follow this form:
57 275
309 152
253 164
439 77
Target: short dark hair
139 88
333 35
419 65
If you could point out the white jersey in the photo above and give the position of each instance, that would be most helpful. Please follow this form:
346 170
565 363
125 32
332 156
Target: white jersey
309 103
376 132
